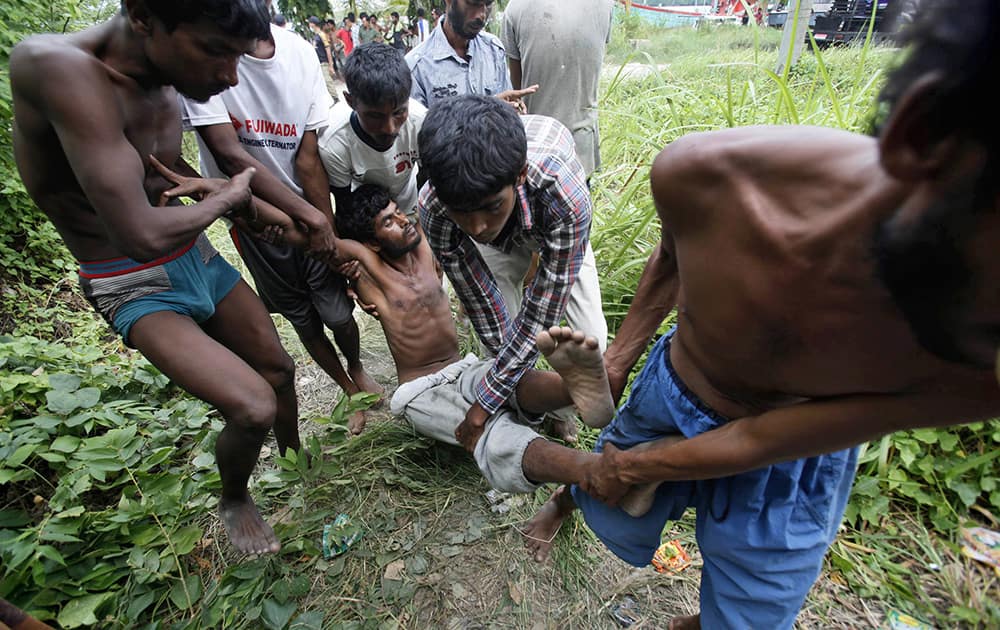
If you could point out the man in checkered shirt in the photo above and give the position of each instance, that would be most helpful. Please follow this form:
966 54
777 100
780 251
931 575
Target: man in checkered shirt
500 187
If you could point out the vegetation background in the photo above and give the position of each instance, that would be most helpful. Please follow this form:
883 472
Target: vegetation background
108 482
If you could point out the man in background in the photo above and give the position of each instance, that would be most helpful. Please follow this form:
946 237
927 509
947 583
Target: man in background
461 58
423 28
344 35
324 53
561 49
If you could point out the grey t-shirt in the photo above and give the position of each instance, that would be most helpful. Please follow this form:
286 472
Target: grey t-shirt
561 48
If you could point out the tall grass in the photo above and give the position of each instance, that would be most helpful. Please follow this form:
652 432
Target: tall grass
914 488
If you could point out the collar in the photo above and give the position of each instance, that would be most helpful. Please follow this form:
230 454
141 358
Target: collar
439 47
362 134
527 221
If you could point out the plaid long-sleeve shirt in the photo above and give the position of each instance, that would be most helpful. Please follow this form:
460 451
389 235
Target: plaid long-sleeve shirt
552 214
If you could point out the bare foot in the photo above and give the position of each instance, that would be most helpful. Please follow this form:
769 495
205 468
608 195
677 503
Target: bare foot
577 358
356 424
541 530
686 623
639 499
564 428
366 383
247 530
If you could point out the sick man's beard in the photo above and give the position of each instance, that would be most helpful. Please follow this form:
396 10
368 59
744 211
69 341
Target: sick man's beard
393 252
923 266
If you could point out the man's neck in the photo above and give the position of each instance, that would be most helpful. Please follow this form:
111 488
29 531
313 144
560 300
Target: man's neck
458 43
121 49
264 49
407 264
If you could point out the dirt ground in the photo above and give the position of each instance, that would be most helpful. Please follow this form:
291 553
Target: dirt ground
485 579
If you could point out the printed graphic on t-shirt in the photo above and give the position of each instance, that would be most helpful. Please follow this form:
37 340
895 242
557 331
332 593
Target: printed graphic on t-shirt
266 127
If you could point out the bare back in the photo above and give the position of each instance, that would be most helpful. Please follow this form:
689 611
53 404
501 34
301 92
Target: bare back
413 309
779 300
83 132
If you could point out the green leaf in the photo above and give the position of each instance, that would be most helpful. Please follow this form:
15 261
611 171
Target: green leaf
185 539
60 401
276 616
64 382
46 551
178 595
65 443
309 620
87 397
21 454
140 603
82 610
205 460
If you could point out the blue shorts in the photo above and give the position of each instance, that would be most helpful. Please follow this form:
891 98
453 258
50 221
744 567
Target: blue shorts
762 534
190 281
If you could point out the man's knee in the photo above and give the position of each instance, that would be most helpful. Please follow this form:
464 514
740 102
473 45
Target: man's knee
255 410
279 372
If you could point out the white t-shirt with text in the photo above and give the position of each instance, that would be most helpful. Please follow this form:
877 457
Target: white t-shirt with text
276 101
350 161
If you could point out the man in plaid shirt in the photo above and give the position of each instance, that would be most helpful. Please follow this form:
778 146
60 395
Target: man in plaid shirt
500 188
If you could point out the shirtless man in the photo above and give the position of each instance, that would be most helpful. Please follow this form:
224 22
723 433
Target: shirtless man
436 384
90 108
794 259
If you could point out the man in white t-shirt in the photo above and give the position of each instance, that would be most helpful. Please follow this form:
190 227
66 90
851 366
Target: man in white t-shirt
270 121
372 135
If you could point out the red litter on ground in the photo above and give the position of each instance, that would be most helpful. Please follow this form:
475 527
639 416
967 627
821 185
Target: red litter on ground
671 557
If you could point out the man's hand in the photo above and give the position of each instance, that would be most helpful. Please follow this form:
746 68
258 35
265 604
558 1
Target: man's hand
616 382
351 270
237 189
471 429
322 243
513 97
601 480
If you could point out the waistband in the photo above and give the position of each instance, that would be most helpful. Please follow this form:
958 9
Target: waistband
409 390
690 396
123 265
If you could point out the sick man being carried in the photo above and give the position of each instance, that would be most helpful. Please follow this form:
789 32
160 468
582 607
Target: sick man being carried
400 278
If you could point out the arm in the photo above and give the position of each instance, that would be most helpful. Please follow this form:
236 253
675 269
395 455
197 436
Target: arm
803 430
77 99
514 65
311 176
231 157
560 259
655 297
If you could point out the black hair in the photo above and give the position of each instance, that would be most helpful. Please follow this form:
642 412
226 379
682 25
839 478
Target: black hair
350 16
471 147
960 40
248 19
377 74
279 19
395 14
357 222
420 12
364 15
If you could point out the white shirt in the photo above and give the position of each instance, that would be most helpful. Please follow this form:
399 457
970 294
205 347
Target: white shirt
276 101
351 162
423 30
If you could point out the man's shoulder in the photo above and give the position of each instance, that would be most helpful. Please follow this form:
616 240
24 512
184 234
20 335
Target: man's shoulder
491 41
336 136
40 53
287 41
417 112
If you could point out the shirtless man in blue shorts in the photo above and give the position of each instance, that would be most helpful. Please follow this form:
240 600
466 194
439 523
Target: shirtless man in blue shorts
90 109
825 297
